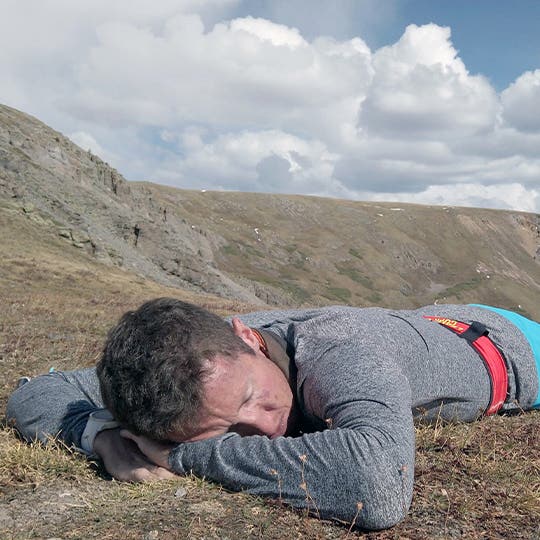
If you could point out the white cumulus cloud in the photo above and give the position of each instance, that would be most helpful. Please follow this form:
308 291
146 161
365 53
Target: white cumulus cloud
264 30
264 161
521 101
508 196
422 88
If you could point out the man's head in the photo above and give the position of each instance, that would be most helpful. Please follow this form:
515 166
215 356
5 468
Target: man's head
173 371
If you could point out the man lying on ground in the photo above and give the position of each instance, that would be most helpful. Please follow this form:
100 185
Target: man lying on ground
314 407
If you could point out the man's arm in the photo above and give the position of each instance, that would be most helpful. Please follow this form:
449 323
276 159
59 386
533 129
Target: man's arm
360 469
55 405
58 405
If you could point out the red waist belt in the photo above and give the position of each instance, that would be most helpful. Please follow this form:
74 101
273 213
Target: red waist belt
477 335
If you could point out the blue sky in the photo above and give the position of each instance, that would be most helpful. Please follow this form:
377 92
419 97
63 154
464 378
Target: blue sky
433 102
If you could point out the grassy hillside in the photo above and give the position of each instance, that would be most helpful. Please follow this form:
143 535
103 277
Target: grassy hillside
472 481
268 249
313 251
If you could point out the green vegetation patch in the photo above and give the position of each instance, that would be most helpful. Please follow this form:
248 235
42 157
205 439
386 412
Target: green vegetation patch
356 276
355 253
284 283
459 288
230 249
299 293
375 298
339 293
250 250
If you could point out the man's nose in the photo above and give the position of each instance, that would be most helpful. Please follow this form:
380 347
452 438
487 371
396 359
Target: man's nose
260 422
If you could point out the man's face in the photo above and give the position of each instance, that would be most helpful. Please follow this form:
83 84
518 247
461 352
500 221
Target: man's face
248 395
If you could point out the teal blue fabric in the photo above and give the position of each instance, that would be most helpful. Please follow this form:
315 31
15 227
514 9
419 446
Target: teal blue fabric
531 330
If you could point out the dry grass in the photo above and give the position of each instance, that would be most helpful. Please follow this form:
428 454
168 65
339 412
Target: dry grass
478 480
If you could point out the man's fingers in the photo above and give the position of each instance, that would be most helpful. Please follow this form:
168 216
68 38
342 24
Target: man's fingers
156 452
142 474
157 472
146 471
164 474
125 461
151 474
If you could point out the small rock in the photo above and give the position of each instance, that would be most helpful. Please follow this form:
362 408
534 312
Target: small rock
204 508
36 218
180 492
56 336
65 233
151 535
80 237
6 519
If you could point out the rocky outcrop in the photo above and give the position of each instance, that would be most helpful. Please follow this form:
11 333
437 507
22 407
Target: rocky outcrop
95 209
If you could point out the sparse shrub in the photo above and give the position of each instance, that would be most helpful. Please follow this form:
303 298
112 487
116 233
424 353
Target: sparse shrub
340 293
356 276
230 249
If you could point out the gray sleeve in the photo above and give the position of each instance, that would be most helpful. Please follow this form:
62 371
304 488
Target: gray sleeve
366 456
55 404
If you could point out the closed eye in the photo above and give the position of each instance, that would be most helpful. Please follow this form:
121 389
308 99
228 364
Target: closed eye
244 430
248 396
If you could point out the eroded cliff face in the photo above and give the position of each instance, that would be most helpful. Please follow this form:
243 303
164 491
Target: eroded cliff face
57 184
273 249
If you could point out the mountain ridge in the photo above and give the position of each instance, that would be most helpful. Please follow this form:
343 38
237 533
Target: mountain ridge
268 249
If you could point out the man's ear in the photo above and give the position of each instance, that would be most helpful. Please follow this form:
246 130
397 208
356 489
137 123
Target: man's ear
245 333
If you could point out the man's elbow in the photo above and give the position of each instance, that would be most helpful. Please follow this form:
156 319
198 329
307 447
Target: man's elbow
382 512
15 416
380 497
26 415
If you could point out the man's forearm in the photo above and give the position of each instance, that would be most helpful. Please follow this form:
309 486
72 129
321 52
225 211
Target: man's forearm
336 473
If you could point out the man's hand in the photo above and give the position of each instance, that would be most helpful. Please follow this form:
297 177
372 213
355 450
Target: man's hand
124 461
156 452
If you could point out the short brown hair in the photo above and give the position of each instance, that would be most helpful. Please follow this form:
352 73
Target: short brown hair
154 361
